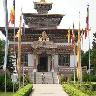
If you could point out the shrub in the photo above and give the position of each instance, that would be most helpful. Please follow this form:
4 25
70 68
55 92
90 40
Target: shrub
93 87
62 78
92 78
72 91
72 77
85 77
9 84
25 91
26 80
87 88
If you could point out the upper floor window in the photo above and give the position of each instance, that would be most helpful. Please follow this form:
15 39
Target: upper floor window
64 59
26 59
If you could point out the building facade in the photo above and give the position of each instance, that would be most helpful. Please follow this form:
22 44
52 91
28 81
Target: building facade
44 47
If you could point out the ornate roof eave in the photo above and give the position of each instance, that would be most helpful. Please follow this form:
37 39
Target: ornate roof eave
35 14
34 20
31 30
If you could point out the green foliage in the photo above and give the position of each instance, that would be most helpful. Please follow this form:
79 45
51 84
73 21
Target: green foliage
85 77
10 58
1 52
93 54
94 41
72 91
9 84
88 78
63 79
8 94
83 89
93 60
72 77
85 56
26 79
10 61
93 78
25 91
87 88
85 59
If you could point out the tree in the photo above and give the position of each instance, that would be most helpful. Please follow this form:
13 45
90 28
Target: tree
85 59
10 59
93 53
1 52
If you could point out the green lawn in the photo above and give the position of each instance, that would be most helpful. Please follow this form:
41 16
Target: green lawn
7 94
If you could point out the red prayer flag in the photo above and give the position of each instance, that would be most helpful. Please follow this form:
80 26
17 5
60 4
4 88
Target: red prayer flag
87 23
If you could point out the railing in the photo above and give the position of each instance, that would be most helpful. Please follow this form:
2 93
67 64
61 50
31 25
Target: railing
65 69
27 68
70 70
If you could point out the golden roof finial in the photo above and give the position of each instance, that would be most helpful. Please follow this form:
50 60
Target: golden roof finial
42 1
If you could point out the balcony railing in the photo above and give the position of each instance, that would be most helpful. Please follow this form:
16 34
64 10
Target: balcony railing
69 70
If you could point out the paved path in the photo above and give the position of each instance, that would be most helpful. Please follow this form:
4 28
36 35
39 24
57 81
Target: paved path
48 90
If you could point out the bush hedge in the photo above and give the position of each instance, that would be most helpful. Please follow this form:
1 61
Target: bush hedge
88 88
26 80
24 91
9 84
72 91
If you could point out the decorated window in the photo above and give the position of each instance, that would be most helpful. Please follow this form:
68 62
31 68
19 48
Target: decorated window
25 59
64 59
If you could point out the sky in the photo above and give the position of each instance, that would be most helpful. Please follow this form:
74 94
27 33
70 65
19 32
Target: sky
70 8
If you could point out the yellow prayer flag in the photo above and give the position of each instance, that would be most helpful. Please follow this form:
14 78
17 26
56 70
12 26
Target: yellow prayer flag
78 56
68 35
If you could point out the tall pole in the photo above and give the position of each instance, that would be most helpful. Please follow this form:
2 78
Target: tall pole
89 56
73 45
87 21
19 50
14 40
23 75
79 69
14 25
74 63
6 40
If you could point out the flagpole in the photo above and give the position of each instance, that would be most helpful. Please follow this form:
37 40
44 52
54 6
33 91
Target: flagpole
89 56
79 69
74 50
88 34
14 39
19 50
6 41
14 25
74 63
80 62
80 51
23 75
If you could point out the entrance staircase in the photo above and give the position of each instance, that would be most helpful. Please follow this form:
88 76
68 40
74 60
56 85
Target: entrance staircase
50 78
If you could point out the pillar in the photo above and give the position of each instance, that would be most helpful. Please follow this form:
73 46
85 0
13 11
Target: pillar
35 66
56 62
53 63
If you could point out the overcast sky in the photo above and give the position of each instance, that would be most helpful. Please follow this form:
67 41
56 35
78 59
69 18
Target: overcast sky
70 8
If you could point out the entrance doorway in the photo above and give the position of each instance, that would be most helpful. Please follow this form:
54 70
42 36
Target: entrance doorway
43 64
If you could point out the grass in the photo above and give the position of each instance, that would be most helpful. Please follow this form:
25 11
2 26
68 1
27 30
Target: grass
7 94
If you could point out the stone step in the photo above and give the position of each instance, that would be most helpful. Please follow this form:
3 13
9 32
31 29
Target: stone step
49 77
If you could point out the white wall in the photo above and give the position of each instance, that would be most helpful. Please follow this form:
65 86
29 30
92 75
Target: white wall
72 60
30 60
